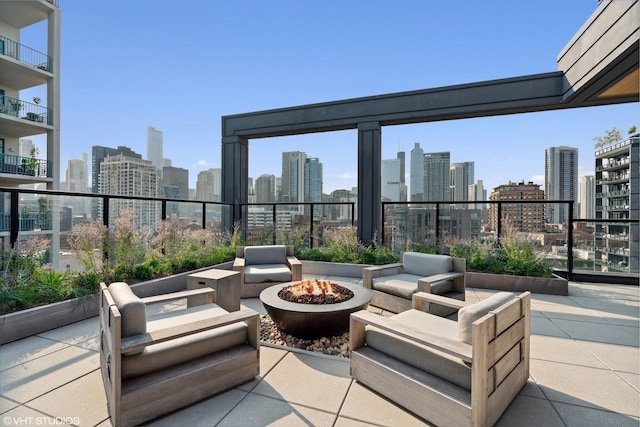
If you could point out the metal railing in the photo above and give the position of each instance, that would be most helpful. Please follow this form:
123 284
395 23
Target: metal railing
25 110
593 246
25 54
315 211
20 165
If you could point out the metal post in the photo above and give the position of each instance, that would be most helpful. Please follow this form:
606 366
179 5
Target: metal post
311 226
570 243
275 227
15 218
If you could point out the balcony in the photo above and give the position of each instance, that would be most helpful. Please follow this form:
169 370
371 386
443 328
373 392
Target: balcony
22 67
25 166
22 118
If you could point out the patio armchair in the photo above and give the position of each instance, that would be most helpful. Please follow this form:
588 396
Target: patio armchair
154 364
263 266
451 373
393 285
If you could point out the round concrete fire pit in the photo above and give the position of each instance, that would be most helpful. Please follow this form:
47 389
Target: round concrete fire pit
313 320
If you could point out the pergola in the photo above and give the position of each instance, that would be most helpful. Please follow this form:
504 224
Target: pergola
599 66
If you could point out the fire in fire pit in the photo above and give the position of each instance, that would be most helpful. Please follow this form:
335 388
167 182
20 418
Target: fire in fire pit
315 292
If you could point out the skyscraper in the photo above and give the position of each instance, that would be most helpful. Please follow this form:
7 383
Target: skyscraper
393 186
155 149
266 188
127 176
292 190
312 180
526 217
416 173
560 181
98 154
477 192
461 177
436 176
588 196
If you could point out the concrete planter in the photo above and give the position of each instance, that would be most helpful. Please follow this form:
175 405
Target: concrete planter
507 282
21 324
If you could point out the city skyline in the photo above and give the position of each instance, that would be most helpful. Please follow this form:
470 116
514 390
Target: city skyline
324 53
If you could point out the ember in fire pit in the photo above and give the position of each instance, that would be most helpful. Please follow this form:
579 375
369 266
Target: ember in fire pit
313 320
315 292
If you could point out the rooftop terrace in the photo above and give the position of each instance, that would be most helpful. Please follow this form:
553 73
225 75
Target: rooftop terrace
585 370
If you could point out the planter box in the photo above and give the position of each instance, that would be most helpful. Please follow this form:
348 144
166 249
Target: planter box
506 282
21 324
332 268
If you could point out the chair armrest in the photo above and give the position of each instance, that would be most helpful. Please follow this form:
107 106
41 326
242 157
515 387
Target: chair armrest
208 292
424 283
420 298
238 264
137 343
443 344
369 273
295 265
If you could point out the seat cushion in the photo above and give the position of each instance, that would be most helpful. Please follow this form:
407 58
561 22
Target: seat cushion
180 350
425 265
131 308
267 273
401 285
276 254
469 314
419 356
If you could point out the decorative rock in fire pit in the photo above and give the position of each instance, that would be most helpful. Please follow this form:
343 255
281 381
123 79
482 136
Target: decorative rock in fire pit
314 308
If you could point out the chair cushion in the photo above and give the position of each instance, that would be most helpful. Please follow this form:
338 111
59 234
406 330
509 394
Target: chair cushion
267 273
180 350
419 356
131 308
469 314
425 265
401 285
276 254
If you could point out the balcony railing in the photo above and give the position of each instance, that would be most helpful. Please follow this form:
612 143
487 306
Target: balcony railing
25 54
25 110
575 249
29 166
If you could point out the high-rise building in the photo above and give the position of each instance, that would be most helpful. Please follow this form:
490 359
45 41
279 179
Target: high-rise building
588 196
209 185
98 154
128 176
178 178
76 182
526 217
416 173
30 107
560 181
618 197
436 177
476 193
393 187
155 148
292 190
30 95
461 177
312 180
266 189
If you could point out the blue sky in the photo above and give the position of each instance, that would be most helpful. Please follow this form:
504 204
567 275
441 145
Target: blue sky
180 66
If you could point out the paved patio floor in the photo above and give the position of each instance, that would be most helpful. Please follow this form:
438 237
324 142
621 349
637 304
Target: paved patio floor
585 371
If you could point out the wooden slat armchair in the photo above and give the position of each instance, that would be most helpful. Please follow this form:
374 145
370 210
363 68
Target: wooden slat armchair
393 285
449 373
154 365
264 266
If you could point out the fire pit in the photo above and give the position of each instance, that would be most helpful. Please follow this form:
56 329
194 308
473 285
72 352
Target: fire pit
311 309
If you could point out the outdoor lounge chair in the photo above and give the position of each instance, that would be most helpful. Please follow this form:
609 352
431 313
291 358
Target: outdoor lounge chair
451 373
264 266
393 285
153 365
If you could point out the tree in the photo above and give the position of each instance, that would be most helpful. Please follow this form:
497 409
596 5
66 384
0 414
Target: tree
611 136
632 130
